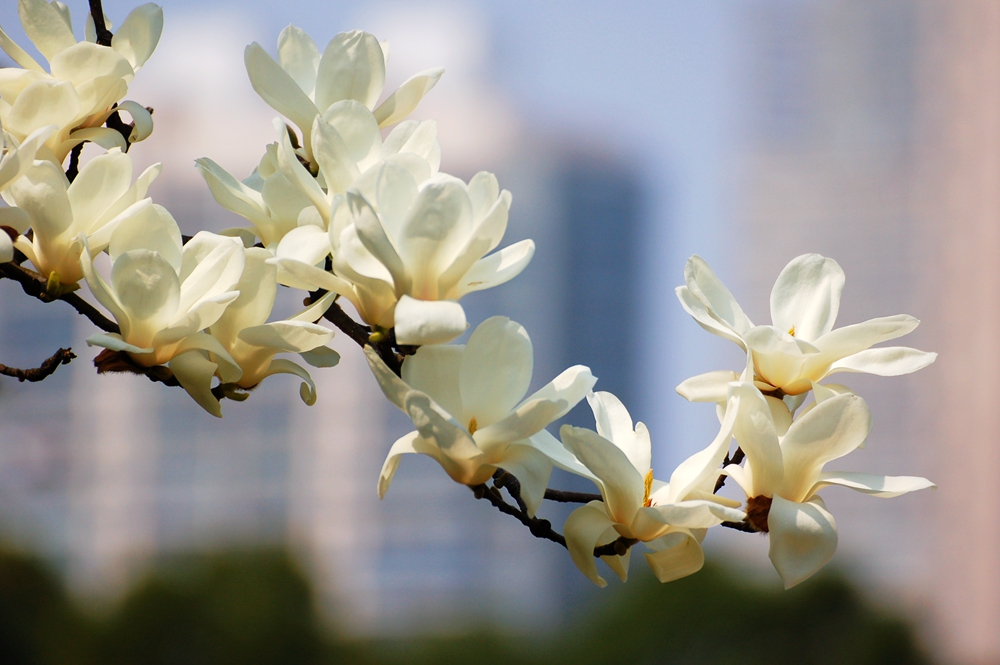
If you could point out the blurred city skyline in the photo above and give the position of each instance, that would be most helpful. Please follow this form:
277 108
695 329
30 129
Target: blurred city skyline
746 132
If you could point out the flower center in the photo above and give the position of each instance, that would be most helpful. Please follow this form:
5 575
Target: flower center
648 482
758 508
791 331
473 425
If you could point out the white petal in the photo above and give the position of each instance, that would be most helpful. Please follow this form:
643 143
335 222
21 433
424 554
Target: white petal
408 443
435 231
358 128
583 530
532 468
709 289
43 103
145 225
848 340
321 356
288 336
278 89
299 56
45 27
406 98
803 538
615 424
829 431
18 54
210 265
142 120
496 369
621 485
332 154
308 244
460 457
497 268
699 312
434 370
884 487
755 433
428 322
101 182
194 371
887 361
708 387
806 296
148 290
674 556
552 448
307 390
139 33
702 467
232 194
352 67
115 343
549 403
6 248
392 386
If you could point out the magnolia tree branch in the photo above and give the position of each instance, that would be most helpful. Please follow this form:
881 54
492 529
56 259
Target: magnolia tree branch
34 285
562 496
100 27
43 371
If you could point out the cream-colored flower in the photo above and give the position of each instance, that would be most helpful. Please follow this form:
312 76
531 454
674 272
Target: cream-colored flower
164 294
801 347
84 81
783 474
303 84
408 255
92 206
670 518
252 342
468 405
14 163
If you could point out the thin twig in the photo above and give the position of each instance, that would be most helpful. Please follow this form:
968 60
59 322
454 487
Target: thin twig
43 371
617 547
539 528
563 496
740 526
735 459
34 284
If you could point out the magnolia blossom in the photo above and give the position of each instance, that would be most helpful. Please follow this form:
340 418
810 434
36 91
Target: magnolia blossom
163 294
14 163
304 84
85 81
61 213
282 198
783 474
252 343
416 248
669 517
467 403
801 347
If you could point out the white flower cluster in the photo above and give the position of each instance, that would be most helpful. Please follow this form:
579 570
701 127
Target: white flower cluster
349 202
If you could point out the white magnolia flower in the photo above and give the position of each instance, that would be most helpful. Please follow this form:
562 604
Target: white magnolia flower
14 163
97 201
801 347
163 294
352 67
409 254
467 403
669 517
283 198
252 343
85 80
783 474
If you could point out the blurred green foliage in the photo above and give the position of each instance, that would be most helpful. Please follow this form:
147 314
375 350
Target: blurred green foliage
256 608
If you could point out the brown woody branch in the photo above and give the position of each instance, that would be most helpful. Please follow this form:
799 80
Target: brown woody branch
563 496
100 27
33 284
735 459
43 371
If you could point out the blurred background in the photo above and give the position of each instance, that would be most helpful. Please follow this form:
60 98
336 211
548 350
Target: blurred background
139 529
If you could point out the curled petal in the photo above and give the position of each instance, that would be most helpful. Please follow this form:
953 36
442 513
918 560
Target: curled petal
428 321
803 538
675 555
141 118
194 371
307 391
585 529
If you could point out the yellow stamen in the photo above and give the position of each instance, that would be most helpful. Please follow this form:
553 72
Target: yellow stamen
791 331
646 501
473 425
